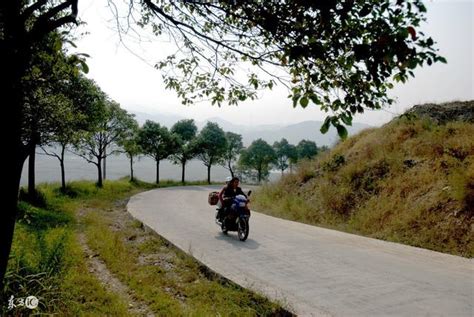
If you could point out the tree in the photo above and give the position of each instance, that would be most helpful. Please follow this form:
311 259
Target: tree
129 142
66 133
22 26
306 149
111 127
45 103
293 157
76 108
156 142
211 144
259 157
341 56
233 148
285 152
185 132
323 148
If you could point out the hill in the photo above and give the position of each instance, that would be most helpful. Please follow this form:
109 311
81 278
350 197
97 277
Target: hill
410 181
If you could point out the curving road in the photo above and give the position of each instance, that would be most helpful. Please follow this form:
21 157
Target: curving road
315 271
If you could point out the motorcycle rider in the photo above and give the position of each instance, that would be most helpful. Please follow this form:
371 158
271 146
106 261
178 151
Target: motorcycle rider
228 194
220 203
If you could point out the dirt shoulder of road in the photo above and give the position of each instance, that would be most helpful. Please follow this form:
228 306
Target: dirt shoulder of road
153 276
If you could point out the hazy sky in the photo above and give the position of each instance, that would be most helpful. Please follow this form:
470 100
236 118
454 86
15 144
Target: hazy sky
138 87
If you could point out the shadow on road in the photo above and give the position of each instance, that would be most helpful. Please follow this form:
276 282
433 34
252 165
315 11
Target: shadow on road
233 240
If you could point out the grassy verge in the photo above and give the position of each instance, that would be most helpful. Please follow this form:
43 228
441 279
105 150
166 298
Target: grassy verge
411 181
49 262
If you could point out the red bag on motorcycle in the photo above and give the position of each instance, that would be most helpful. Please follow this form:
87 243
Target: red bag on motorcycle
213 198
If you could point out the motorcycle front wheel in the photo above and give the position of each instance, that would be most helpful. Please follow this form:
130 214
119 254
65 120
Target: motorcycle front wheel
243 229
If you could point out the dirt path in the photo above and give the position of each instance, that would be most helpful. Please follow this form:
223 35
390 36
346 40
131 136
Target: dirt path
111 283
317 271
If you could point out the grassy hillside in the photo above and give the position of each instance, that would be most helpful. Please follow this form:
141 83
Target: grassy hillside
410 181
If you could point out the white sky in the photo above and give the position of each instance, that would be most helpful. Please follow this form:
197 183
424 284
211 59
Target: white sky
138 87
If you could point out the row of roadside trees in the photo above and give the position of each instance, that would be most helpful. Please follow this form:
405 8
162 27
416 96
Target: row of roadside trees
116 131
86 122
66 111
213 146
259 158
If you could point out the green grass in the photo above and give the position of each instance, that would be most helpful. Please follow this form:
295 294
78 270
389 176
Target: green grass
411 181
169 281
47 260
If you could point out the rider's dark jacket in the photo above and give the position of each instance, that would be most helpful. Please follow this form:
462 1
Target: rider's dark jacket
230 193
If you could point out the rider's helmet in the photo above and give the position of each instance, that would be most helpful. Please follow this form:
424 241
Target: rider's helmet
228 179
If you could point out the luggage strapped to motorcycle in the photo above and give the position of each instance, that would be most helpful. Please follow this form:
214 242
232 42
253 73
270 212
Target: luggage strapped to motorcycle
213 198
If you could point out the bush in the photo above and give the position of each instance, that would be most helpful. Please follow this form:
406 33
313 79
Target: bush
36 199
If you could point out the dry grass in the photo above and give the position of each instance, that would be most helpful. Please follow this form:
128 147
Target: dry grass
411 181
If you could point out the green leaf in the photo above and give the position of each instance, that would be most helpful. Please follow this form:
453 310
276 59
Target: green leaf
84 66
315 99
412 63
346 118
342 131
304 102
295 100
325 126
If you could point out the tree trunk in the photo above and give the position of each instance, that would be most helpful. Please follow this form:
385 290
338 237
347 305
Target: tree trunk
63 170
31 173
131 168
183 163
209 174
157 171
99 173
105 167
259 175
11 92
14 57
11 180
231 170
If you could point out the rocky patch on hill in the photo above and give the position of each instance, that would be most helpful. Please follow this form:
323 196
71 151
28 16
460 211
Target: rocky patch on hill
445 112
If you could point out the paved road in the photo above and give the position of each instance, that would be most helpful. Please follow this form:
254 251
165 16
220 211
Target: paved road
317 272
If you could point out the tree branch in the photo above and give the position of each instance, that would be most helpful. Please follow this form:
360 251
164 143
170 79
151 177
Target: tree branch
44 24
178 24
32 8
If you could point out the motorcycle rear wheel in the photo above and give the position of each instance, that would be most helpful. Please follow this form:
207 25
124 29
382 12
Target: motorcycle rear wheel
243 229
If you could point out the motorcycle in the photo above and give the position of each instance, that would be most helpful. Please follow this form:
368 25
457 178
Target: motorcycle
236 218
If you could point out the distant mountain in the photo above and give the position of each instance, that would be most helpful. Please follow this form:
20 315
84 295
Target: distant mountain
294 133
308 130
163 119
228 126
